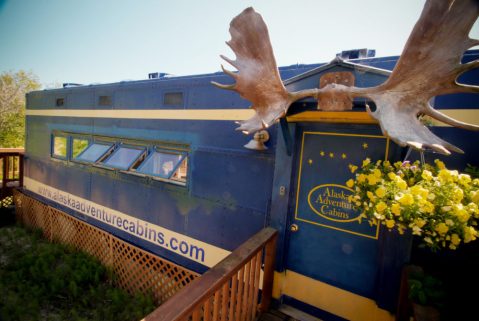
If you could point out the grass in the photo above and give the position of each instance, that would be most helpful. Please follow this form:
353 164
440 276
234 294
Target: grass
47 281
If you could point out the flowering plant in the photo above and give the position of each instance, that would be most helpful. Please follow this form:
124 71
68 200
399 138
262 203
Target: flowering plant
435 203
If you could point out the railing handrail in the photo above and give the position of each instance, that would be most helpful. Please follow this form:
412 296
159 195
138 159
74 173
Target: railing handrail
15 151
212 280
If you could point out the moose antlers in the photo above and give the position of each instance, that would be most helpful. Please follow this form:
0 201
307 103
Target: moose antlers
429 66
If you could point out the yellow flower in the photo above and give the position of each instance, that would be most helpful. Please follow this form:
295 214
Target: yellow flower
419 191
381 206
390 223
461 213
350 183
401 184
416 230
445 176
366 162
455 239
392 176
457 194
473 208
464 179
475 196
426 175
439 164
406 199
469 234
361 178
419 222
380 192
377 173
441 228
370 195
427 207
396 209
352 168
372 179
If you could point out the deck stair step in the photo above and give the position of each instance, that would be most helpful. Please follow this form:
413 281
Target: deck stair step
286 313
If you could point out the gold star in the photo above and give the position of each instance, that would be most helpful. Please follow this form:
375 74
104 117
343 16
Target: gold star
310 161
331 155
343 156
365 146
321 153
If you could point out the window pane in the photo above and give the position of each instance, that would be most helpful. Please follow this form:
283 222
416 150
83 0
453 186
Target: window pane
78 146
160 164
60 146
173 99
104 101
123 157
93 152
181 172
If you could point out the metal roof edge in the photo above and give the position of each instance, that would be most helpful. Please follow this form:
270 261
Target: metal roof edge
338 62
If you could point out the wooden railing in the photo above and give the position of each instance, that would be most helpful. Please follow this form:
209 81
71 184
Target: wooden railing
11 173
231 289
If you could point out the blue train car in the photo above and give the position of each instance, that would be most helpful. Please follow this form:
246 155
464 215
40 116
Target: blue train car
158 163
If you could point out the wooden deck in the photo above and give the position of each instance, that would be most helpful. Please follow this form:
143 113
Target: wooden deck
286 313
275 315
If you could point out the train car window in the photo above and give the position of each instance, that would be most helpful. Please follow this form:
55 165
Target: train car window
165 165
173 99
59 147
79 145
124 157
94 152
104 101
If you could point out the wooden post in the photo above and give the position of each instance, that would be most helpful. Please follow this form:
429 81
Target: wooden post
5 171
269 256
20 158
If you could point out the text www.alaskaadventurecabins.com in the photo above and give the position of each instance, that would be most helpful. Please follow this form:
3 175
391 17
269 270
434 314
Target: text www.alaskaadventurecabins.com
130 225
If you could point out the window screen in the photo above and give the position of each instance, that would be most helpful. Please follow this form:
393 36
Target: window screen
94 152
123 157
78 146
161 164
59 146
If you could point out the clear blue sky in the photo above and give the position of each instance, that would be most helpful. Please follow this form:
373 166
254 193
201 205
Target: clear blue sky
99 41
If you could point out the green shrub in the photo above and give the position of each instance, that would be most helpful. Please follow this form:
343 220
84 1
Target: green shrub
45 281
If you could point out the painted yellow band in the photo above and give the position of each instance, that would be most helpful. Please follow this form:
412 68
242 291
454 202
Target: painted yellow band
179 114
328 298
333 116
470 116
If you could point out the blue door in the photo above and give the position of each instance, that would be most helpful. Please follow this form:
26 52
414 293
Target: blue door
328 244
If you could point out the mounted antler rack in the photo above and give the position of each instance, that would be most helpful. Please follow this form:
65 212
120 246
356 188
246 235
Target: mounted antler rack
429 66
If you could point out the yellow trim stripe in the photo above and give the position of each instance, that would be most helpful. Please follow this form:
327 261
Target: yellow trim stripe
332 116
470 116
179 114
328 298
